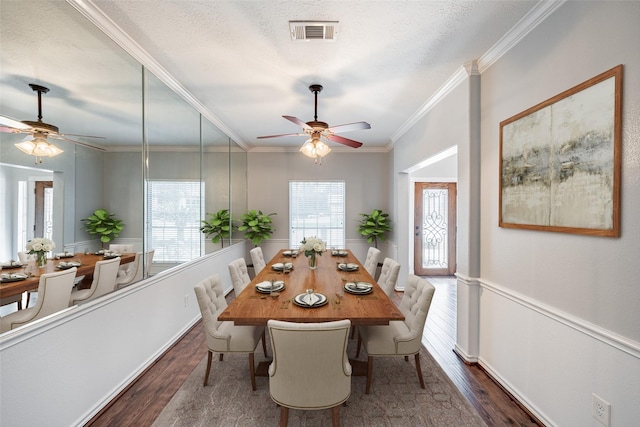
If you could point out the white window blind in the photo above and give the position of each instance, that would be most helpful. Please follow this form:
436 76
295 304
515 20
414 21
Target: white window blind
317 208
174 225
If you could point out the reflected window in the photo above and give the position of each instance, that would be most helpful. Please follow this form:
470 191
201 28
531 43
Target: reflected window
175 209
317 208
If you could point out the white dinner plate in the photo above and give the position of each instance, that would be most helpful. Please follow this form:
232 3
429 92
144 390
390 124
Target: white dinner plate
65 255
358 288
68 265
339 253
268 287
310 300
348 266
290 253
279 266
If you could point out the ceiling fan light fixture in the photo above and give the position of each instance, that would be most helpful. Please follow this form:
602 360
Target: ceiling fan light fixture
315 149
39 147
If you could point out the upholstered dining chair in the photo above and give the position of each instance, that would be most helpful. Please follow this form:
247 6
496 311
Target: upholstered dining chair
239 275
310 368
257 257
400 338
225 337
130 272
121 248
104 282
54 290
389 276
371 262
25 257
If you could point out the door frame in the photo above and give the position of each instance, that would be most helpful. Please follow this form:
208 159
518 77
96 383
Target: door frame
451 230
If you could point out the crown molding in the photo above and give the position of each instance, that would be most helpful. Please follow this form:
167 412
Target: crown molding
97 17
530 21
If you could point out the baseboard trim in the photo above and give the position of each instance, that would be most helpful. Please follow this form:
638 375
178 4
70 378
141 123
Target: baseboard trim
128 383
527 407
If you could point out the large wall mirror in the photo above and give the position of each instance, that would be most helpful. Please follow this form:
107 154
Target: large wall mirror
145 154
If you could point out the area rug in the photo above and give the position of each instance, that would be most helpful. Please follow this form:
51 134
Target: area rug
396 398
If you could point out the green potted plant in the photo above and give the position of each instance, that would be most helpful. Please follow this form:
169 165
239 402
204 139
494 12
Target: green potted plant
103 223
373 226
257 226
219 226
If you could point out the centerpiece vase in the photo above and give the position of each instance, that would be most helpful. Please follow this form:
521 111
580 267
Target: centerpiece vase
41 259
313 261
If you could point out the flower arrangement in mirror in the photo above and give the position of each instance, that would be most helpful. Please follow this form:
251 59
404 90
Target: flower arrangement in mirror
39 247
313 247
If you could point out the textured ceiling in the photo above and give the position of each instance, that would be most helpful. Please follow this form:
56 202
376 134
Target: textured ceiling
238 60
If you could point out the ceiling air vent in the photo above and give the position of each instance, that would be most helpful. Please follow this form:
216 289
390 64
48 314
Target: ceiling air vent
313 30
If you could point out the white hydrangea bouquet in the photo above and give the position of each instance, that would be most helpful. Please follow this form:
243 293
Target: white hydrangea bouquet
312 247
40 246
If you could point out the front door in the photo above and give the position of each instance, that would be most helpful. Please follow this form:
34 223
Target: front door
43 226
435 229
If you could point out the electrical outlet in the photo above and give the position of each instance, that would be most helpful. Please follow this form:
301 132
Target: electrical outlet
186 300
601 410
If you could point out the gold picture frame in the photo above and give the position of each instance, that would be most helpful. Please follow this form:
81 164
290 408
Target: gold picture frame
560 161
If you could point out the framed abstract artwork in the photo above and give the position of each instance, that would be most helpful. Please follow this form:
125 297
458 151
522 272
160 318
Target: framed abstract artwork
560 161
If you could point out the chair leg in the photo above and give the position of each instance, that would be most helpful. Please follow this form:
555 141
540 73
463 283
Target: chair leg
353 332
264 344
284 416
406 358
419 369
359 344
335 416
369 374
252 372
206 375
220 356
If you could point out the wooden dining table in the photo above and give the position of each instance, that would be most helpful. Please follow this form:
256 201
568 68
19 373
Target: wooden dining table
254 308
87 265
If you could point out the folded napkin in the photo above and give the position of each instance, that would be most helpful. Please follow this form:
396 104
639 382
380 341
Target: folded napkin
311 299
13 276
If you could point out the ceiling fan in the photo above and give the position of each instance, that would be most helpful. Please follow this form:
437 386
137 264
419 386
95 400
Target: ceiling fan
36 142
315 129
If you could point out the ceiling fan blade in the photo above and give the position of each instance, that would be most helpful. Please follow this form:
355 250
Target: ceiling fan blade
82 136
96 147
298 122
349 127
284 134
343 140
12 123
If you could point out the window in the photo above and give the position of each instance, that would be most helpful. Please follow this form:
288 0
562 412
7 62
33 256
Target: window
317 208
174 223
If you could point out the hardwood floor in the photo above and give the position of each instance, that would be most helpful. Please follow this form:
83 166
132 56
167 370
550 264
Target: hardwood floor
143 401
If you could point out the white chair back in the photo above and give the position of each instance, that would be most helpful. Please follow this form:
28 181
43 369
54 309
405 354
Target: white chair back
310 368
25 257
121 248
389 275
54 290
257 258
130 272
149 262
225 337
371 262
415 304
239 275
105 274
